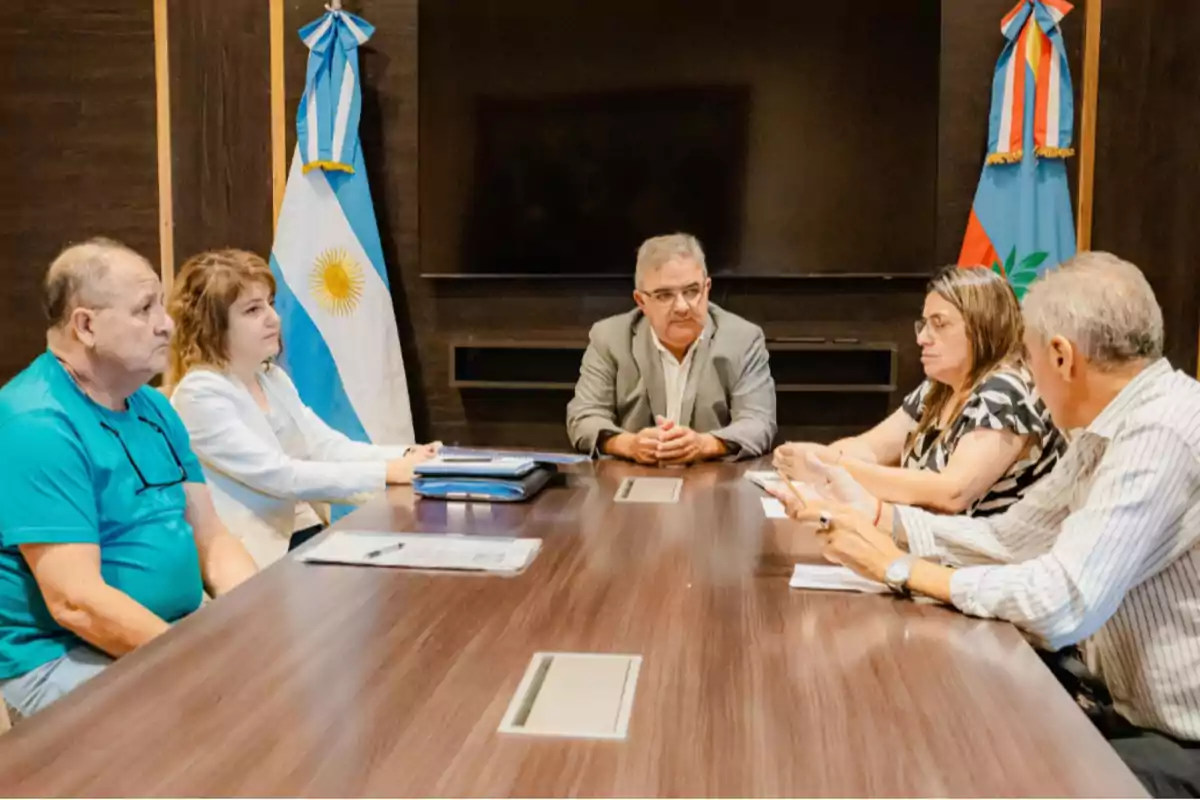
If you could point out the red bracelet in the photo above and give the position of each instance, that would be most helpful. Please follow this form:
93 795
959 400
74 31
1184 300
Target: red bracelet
878 512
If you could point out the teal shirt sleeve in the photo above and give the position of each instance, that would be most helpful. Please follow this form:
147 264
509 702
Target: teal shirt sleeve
47 493
176 432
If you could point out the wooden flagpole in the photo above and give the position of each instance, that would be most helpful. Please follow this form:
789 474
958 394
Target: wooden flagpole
1094 10
278 107
162 102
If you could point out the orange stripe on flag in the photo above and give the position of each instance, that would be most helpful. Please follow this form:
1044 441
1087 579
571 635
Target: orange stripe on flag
1016 134
1041 112
977 249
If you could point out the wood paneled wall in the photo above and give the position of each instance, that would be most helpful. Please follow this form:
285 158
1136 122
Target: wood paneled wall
1148 156
77 131
78 146
220 125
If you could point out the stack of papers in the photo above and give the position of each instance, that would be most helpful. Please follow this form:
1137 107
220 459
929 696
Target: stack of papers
831 577
450 551
480 466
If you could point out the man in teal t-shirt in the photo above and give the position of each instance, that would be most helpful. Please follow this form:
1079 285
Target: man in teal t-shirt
107 532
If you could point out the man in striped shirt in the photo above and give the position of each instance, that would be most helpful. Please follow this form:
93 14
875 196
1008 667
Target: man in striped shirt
1104 551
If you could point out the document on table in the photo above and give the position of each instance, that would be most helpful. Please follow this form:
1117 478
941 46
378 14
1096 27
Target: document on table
649 490
425 551
766 479
832 577
773 508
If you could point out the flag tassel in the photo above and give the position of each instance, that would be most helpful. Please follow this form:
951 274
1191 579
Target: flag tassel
1054 152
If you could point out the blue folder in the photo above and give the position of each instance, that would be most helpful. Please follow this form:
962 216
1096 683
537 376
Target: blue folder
484 489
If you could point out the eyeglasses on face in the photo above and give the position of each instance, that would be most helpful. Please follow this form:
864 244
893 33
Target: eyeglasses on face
691 295
936 325
147 485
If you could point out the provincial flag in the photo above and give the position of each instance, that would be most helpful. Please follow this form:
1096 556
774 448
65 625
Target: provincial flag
1021 222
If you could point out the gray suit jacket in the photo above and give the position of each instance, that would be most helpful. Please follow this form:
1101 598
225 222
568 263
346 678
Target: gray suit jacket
729 391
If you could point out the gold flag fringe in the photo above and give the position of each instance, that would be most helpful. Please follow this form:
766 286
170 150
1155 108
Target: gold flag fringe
1054 152
1041 152
1013 157
335 166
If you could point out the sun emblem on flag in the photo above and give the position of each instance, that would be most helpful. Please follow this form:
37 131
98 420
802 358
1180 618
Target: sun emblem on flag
336 281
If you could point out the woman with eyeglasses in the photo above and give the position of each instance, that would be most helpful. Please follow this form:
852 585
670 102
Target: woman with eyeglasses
266 455
974 436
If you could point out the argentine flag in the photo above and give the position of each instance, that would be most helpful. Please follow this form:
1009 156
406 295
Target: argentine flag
341 346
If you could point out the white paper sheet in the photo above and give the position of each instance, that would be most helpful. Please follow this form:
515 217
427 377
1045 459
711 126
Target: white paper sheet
425 551
773 508
766 479
832 577
649 490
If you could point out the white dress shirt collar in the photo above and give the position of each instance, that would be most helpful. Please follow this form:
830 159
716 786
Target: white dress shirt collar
675 374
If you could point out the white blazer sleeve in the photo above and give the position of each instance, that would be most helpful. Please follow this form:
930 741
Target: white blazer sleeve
323 441
226 441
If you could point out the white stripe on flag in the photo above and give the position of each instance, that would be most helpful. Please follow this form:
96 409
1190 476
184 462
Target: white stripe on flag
1052 100
345 100
1006 103
313 128
316 35
312 222
357 31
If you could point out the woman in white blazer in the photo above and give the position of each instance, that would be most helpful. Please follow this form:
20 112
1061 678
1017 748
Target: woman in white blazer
267 457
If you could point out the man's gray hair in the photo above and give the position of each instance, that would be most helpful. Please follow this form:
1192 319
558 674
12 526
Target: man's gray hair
656 252
77 276
1102 304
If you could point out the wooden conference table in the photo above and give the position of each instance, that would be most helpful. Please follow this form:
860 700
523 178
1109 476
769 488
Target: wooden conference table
323 680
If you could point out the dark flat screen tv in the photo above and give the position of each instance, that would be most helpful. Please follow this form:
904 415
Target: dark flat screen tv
792 138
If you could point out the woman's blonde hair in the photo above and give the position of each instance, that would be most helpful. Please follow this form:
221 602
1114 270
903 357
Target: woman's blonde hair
992 317
205 289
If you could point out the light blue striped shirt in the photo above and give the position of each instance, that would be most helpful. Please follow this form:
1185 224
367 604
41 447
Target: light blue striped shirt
1103 552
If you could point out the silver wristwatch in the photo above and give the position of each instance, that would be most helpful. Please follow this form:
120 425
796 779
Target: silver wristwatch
898 573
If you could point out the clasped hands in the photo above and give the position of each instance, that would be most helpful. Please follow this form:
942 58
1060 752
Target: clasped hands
836 508
667 443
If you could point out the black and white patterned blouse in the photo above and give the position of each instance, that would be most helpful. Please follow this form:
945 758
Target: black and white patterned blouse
1004 401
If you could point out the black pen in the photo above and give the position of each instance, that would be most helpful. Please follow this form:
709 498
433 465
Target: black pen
391 548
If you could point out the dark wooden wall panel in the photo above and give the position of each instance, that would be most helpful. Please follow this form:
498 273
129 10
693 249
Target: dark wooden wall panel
77 134
1148 155
220 125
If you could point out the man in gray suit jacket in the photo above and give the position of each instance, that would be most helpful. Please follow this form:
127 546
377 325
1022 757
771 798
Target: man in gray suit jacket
676 380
